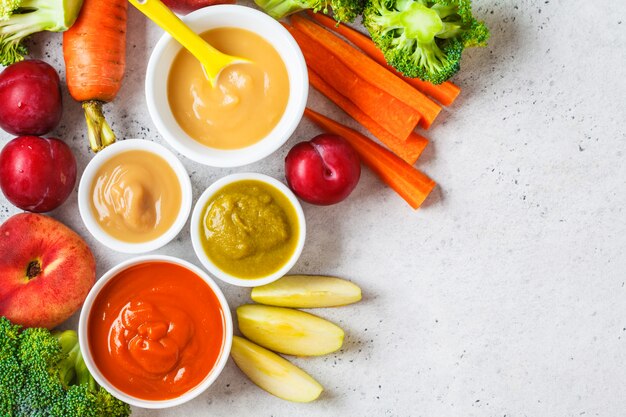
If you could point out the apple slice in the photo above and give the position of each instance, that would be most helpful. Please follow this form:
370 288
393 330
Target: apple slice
289 331
307 291
274 373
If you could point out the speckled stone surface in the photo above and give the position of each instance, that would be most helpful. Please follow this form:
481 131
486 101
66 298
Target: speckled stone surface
505 294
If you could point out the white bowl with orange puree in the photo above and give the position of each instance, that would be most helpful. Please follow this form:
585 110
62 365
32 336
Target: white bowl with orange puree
134 196
253 109
155 331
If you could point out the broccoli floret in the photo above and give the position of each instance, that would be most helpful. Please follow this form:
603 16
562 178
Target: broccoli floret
343 10
44 374
424 38
11 377
21 18
346 10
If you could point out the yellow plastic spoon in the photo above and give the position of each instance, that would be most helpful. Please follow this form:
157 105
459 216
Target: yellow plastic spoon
212 60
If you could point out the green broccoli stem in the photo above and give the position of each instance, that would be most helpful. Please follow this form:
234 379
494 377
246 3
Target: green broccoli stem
445 11
38 15
281 8
450 30
99 132
418 21
52 15
11 52
72 369
69 349
19 26
83 376
12 31
30 17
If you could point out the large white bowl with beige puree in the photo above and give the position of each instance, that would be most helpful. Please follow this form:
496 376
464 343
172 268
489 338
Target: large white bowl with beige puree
201 21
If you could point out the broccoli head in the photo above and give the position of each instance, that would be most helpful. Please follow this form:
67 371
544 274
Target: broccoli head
44 374
21 18
424 38
343 10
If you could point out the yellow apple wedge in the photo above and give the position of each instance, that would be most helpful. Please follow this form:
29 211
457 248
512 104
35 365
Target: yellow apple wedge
289 331
307 291
274 373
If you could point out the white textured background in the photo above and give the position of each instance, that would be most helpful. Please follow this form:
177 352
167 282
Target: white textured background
504 295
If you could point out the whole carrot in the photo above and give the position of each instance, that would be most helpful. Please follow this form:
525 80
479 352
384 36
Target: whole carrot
94 49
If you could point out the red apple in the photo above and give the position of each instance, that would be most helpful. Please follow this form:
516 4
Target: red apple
30 98
188 6
46 270
37 174
324 170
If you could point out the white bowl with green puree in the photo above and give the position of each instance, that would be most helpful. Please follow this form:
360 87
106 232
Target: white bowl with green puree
248 229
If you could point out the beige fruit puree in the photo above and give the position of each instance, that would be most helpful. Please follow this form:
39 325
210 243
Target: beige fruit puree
248 100
136 196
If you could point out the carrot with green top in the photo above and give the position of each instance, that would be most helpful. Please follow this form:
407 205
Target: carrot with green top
94 49
445 93
412 185
408 149
370 70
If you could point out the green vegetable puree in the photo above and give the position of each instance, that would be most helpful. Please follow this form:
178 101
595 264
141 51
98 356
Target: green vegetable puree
249 229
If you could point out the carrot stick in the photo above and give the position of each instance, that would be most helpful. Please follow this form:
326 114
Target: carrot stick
389 112
370 70
408 182
94 49
409 149
445 93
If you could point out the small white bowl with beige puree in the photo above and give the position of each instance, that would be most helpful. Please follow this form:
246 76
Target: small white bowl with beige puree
253 109
134 196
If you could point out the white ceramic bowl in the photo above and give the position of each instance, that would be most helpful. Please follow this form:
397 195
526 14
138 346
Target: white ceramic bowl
196 219
138 402
227 16
85 205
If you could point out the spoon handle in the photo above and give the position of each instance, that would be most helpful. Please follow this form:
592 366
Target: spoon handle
160 14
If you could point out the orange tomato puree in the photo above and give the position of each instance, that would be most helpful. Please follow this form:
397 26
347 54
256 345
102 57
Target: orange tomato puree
156 330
